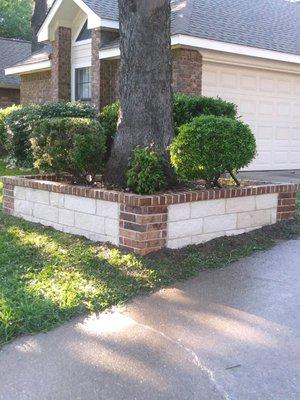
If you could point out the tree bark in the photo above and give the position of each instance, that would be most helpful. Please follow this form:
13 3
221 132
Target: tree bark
38 16
145 83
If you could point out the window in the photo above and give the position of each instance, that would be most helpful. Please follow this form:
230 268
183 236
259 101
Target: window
84 34
83 84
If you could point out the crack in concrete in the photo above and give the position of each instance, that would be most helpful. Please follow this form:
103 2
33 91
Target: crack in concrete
196 361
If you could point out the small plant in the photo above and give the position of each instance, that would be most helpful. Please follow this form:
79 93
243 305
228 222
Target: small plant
209 146
146 171
69 145
20 124
186 108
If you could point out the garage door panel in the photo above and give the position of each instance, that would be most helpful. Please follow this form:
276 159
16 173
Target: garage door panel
269 102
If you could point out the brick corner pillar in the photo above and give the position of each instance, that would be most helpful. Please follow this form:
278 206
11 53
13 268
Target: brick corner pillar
61 65
187 71
96 69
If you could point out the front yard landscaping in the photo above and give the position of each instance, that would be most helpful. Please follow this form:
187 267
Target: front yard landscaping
48 277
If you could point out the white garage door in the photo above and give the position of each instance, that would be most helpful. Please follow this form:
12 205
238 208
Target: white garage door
269 102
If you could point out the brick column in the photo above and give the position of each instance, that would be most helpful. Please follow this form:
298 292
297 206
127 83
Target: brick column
187 71
286 204
96 68
61 65
8 198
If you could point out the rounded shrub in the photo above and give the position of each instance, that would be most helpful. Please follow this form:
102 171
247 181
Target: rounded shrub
186 107
209 146
75 146
146 171
21 123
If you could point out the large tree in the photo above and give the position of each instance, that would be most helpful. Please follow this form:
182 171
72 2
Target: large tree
145 83
15 19
38 16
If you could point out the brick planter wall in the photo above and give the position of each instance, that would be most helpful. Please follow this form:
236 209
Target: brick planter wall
145 224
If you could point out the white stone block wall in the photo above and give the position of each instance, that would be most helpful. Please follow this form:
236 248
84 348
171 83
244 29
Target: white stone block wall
200 221
97 220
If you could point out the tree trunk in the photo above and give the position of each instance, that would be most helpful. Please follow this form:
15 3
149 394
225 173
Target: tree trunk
38 16
145 83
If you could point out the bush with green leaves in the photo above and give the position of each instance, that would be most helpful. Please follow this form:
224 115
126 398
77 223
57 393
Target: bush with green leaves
76 146
186 108
109 120
4 113
21 124
209 146
146 171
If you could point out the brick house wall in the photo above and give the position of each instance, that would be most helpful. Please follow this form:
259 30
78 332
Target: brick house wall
9 97
36 88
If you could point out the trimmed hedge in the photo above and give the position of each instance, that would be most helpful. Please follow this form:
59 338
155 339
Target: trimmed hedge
146 171
209 146
69 145
21 123
186 108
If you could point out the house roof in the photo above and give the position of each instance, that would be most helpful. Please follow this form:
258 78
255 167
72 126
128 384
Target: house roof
11 52
38 56
267 24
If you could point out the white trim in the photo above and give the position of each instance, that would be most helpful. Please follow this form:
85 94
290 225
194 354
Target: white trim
28 68
191 41
93 19
82 42
199 43
109 24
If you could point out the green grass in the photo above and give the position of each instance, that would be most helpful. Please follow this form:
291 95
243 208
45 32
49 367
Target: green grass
48 277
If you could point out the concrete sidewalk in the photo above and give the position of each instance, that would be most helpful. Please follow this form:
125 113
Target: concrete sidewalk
228 334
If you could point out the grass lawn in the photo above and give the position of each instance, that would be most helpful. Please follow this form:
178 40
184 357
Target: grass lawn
48 277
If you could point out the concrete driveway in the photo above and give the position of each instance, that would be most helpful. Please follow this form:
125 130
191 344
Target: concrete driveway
287 176
228 334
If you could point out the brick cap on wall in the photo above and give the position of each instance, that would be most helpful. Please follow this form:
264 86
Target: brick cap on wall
57 184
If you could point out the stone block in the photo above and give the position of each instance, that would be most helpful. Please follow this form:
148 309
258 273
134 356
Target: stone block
198 239
23 207
240 204
45 212
57 199
107 209
66 217
91 223
111 227
266 201
219 223
185 228
179 212
179 243
81 204
201 209
254 219
20 193
38 196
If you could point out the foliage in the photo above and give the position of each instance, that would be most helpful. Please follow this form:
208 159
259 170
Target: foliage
146 171
185 108
209 146
188 107
21 124
15 19
69 145
4 113
109 120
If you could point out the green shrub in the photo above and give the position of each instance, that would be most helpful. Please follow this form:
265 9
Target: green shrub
69 145
186 108
21 124
209 146
146 171
109 121
4 113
